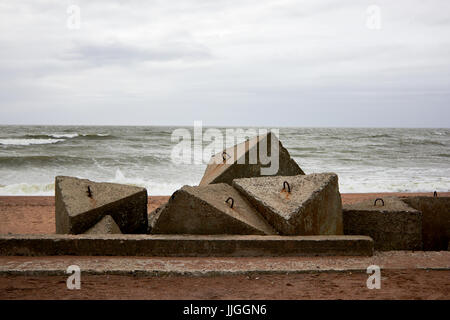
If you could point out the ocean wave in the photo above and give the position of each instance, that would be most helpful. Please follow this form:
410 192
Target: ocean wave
352 184
440 133
375 136
39 161
28 189
50 136
28 142
66 135
420 142
48 189
94 136
347 184
153 187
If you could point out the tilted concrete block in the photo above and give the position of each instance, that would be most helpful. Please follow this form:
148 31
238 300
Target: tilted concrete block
297 205
204 210
435 220
81 203
106 225
392 224
243 161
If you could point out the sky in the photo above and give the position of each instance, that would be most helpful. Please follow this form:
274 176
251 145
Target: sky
226 62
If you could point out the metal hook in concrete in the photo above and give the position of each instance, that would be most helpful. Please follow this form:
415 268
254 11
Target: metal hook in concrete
232 201
89 192
224 156
435 194
285 183
382 201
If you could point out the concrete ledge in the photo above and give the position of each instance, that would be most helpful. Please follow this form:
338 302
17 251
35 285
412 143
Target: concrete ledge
184 245
219 266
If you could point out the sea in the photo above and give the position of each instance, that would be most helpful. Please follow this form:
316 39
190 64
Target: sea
365 159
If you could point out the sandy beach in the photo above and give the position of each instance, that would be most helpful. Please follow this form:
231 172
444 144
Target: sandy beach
36 214
402 284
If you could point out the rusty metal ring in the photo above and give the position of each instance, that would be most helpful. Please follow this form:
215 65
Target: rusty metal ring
224 156
285 183
89 192
232 201
435 194
375 203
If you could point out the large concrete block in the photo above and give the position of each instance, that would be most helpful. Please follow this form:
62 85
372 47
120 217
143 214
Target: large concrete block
313 205
105 226
243 161
204 210
81 203
435 220
392 226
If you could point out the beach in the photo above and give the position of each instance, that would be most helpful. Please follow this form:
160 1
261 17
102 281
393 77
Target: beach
400 284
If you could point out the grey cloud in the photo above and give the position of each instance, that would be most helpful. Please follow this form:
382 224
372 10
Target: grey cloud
117 53
257 62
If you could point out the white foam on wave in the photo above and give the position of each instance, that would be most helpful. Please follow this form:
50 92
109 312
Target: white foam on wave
28 189
153 187
346 185
361 185
27 142
48 189
64 135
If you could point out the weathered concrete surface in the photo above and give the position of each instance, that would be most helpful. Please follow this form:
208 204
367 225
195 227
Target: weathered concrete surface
184 245
435 220
313 207
203 210
215 266
394 226
153 217
243 161
76 211
105 226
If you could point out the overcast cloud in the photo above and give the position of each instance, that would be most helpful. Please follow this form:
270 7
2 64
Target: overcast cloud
275 63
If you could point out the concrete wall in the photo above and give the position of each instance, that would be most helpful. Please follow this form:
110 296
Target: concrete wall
184 245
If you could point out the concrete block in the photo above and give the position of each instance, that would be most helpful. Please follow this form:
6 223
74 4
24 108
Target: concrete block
106 225
312 207
81 203
243 161
153 217
435 220
204 210
392 226
169 245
